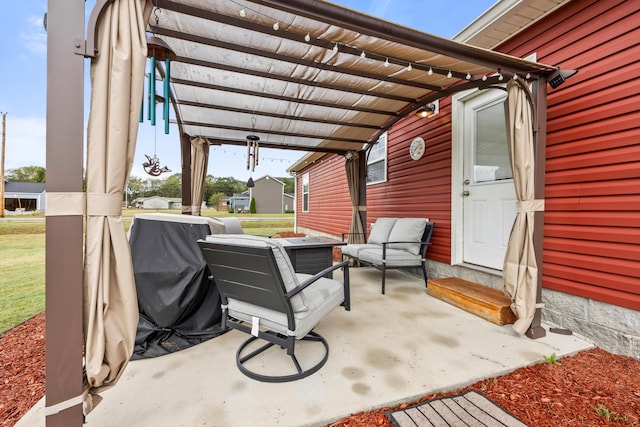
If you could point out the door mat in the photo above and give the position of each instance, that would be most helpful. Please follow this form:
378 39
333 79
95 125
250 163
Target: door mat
468 409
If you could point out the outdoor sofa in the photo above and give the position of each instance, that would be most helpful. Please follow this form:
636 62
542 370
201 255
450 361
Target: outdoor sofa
394 243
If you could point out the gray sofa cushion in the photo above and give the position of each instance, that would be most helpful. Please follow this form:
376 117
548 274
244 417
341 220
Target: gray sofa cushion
353 249
394 257
381 229
407 230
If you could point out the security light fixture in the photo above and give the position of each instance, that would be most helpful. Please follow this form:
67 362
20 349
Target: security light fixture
558 77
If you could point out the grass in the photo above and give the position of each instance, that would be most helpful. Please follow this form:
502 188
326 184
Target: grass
22 259
552 359
22 255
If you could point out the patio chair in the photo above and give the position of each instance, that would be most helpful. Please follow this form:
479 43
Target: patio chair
263 296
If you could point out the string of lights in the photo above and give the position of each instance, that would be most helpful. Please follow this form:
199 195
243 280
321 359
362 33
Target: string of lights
247 12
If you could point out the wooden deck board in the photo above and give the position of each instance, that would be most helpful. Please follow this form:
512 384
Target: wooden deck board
487 303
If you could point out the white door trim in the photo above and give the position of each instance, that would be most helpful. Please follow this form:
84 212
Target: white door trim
457 173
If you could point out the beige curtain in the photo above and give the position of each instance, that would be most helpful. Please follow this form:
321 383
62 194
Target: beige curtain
110 302
199 162
520 270
353 180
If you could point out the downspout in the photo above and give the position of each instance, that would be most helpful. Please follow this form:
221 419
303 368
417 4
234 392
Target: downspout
362 206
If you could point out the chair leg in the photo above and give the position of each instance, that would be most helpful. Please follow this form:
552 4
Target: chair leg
383 277
424 274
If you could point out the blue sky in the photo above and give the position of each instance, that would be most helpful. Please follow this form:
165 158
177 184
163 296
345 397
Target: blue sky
23 83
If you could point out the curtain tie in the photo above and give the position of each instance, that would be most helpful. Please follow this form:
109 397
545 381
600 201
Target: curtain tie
66 404
104 204
525 206
65 204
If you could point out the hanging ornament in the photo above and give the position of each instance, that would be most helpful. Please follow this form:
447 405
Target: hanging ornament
159 50
152 166
252 151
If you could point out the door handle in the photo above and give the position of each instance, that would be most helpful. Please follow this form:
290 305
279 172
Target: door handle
465 193
467 181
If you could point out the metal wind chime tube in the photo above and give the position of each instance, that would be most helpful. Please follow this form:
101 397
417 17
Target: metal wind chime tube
167 62
157 50
152 90
252 152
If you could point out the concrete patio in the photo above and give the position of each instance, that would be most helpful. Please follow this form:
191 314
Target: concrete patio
387 350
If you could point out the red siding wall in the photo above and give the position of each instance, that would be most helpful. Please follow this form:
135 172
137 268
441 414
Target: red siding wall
329 202
592 218
413 188
420 188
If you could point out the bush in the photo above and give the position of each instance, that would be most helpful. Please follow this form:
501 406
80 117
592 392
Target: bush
252 205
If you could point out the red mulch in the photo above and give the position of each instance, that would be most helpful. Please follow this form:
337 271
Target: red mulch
591 388
21 369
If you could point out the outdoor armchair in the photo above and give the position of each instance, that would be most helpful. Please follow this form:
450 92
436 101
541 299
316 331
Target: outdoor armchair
263 296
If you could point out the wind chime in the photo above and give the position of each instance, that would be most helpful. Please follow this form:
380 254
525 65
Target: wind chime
252 152
157 50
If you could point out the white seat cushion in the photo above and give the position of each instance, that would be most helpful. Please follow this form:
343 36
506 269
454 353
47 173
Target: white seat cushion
322 296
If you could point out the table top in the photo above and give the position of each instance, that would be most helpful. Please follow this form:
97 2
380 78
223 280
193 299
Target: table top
309 242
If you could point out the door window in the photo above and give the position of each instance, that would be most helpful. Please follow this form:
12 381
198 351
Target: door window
491 152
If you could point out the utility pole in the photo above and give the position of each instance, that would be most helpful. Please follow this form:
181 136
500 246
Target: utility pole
4 129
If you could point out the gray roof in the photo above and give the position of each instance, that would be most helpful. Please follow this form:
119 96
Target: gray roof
25 187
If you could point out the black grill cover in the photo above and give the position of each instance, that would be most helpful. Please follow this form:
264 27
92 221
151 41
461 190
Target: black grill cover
179 305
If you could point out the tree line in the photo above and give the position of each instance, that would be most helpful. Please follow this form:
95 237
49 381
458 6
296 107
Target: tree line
147 187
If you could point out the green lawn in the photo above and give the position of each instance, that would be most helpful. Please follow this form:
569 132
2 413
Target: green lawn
22 278
22 260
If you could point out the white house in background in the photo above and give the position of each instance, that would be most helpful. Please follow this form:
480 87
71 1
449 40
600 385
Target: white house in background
157 202
24 196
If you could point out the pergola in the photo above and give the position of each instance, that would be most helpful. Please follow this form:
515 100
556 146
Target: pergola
300 74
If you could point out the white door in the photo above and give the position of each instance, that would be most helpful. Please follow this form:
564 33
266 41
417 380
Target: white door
489 200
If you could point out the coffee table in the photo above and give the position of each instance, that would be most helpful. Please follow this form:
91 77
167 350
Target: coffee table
310 255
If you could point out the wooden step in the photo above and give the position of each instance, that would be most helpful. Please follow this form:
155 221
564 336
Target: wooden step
485 302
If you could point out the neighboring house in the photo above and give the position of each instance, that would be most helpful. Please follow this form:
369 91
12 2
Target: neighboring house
268 193
239 202
289 201
157 202
24 196
591 247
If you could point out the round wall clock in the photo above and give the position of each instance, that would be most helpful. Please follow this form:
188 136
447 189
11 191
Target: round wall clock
416 150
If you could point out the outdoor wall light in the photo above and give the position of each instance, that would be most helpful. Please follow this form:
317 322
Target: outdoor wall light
559 77
426 111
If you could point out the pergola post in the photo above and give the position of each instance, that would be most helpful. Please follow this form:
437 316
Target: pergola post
540 137
185 152
64 236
